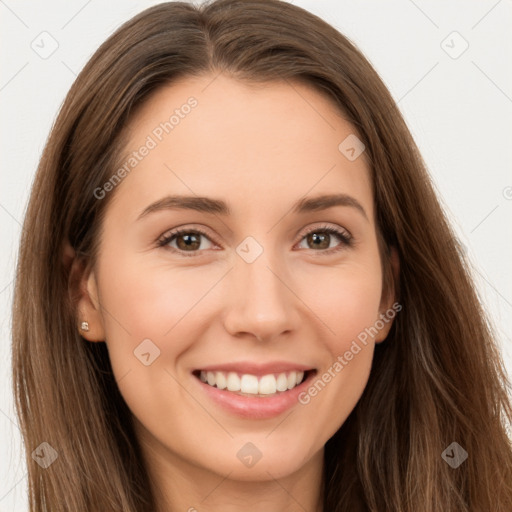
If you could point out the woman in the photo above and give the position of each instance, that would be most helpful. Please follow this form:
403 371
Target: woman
237 290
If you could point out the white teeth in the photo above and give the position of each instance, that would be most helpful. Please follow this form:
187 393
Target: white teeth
220 380
282 382
233 382
267 385
251 384
292 380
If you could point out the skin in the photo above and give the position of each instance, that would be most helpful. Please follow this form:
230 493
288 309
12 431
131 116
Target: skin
260 149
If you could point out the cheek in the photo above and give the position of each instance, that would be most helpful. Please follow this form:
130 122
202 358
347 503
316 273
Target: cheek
355 311
150 301
155 310
346 301
349 308
150 319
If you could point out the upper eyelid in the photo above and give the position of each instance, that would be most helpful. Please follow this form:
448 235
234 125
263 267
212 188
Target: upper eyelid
303 232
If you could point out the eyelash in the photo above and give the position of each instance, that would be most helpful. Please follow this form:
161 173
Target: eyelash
344 236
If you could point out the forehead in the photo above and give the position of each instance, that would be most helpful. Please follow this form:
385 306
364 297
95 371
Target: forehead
255 143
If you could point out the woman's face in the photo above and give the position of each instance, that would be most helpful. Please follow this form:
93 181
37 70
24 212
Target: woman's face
254 290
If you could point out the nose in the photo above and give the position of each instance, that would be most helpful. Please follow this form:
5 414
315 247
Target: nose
261 302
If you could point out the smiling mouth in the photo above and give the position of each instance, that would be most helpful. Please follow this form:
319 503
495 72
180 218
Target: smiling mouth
247 384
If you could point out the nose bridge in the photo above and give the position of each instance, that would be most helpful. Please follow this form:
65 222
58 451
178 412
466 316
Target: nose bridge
262 304
261 281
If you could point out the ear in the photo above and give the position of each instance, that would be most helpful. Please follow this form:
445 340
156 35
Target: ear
83 290
386 310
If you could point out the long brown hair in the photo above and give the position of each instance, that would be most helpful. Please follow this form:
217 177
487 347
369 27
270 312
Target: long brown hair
437 379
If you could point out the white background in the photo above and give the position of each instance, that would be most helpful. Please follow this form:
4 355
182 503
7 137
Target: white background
458 110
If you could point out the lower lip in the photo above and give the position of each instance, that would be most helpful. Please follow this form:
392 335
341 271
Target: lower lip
255 407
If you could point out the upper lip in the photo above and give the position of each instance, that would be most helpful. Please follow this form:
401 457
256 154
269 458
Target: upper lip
258 369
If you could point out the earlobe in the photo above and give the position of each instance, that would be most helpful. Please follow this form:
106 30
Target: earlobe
84 294
89 309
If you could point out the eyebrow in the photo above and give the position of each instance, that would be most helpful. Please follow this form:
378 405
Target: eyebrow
220 207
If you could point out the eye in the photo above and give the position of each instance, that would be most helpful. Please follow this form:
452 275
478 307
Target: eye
188 240
321 238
